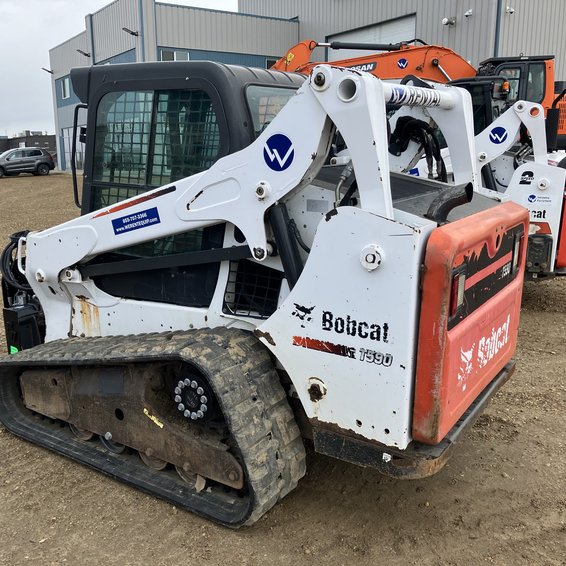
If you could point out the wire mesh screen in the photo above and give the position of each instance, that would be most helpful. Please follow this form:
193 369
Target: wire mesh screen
146 139
252 290
187 137
123 126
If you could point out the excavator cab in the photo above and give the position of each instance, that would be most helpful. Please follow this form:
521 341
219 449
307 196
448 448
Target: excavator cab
530 78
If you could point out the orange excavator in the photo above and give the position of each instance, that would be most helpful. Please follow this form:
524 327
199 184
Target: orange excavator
524 78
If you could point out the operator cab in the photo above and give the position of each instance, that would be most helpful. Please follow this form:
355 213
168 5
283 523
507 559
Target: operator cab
526 76
150 125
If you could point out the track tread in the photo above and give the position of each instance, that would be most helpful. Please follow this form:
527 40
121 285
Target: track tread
256 410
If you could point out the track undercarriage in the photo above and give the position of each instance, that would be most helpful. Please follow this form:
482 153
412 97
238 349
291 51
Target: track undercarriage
172 413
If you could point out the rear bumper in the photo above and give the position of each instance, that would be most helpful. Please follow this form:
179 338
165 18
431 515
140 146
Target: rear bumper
417 460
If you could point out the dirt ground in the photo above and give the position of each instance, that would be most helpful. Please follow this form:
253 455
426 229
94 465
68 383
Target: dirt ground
501 499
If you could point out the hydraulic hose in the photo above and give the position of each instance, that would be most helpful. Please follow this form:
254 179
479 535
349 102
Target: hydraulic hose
7 263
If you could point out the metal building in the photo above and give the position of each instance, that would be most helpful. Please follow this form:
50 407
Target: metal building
475 29
263 30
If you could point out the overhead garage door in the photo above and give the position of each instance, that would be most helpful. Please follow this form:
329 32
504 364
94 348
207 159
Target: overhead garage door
392 31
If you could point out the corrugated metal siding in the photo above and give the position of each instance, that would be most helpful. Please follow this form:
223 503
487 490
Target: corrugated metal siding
64 57
391 31
185 27
149 29
229 58
65 117
126 57
471 37
536 28
109 39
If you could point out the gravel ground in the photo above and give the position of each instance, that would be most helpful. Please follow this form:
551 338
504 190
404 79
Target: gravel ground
501 499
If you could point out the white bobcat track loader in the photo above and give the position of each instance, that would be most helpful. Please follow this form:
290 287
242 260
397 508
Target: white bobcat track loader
202 329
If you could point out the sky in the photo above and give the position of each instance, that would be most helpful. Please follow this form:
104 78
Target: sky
28 30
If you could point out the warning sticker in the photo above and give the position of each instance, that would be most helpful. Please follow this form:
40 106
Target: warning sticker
135 221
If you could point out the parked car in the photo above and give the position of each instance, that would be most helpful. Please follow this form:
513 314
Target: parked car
26 160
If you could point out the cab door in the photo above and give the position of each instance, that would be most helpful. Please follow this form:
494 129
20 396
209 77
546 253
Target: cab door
527 80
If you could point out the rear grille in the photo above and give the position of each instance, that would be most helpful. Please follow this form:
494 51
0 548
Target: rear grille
562 119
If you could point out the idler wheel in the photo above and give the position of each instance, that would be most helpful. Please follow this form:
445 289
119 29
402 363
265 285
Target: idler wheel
81 433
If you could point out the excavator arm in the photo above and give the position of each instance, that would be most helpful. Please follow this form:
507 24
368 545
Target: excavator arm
428 62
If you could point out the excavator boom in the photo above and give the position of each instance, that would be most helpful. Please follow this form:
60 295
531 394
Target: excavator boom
428 62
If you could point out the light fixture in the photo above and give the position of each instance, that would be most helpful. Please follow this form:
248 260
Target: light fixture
509 10
449 21
47 70
134 33
468 13
83 52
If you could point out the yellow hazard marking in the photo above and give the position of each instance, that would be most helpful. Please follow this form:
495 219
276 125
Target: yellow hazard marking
153 418
290 57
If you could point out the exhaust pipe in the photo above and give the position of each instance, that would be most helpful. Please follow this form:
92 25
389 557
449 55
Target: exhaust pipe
447 200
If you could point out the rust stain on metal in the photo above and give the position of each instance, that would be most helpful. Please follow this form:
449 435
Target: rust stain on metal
315 392
333 427
407 464
259 334
90 317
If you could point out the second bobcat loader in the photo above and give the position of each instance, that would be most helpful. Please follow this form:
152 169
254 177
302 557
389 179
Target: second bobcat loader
188 339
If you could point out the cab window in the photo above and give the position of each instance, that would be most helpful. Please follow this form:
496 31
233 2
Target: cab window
147 139
513 77
536 80
265 102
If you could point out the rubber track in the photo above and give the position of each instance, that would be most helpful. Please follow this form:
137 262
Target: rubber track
264 432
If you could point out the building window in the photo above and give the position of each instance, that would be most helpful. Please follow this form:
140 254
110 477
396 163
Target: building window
270 62
68 144
174 55
65 88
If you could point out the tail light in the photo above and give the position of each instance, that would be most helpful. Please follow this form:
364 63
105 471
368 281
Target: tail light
517 249
457 291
